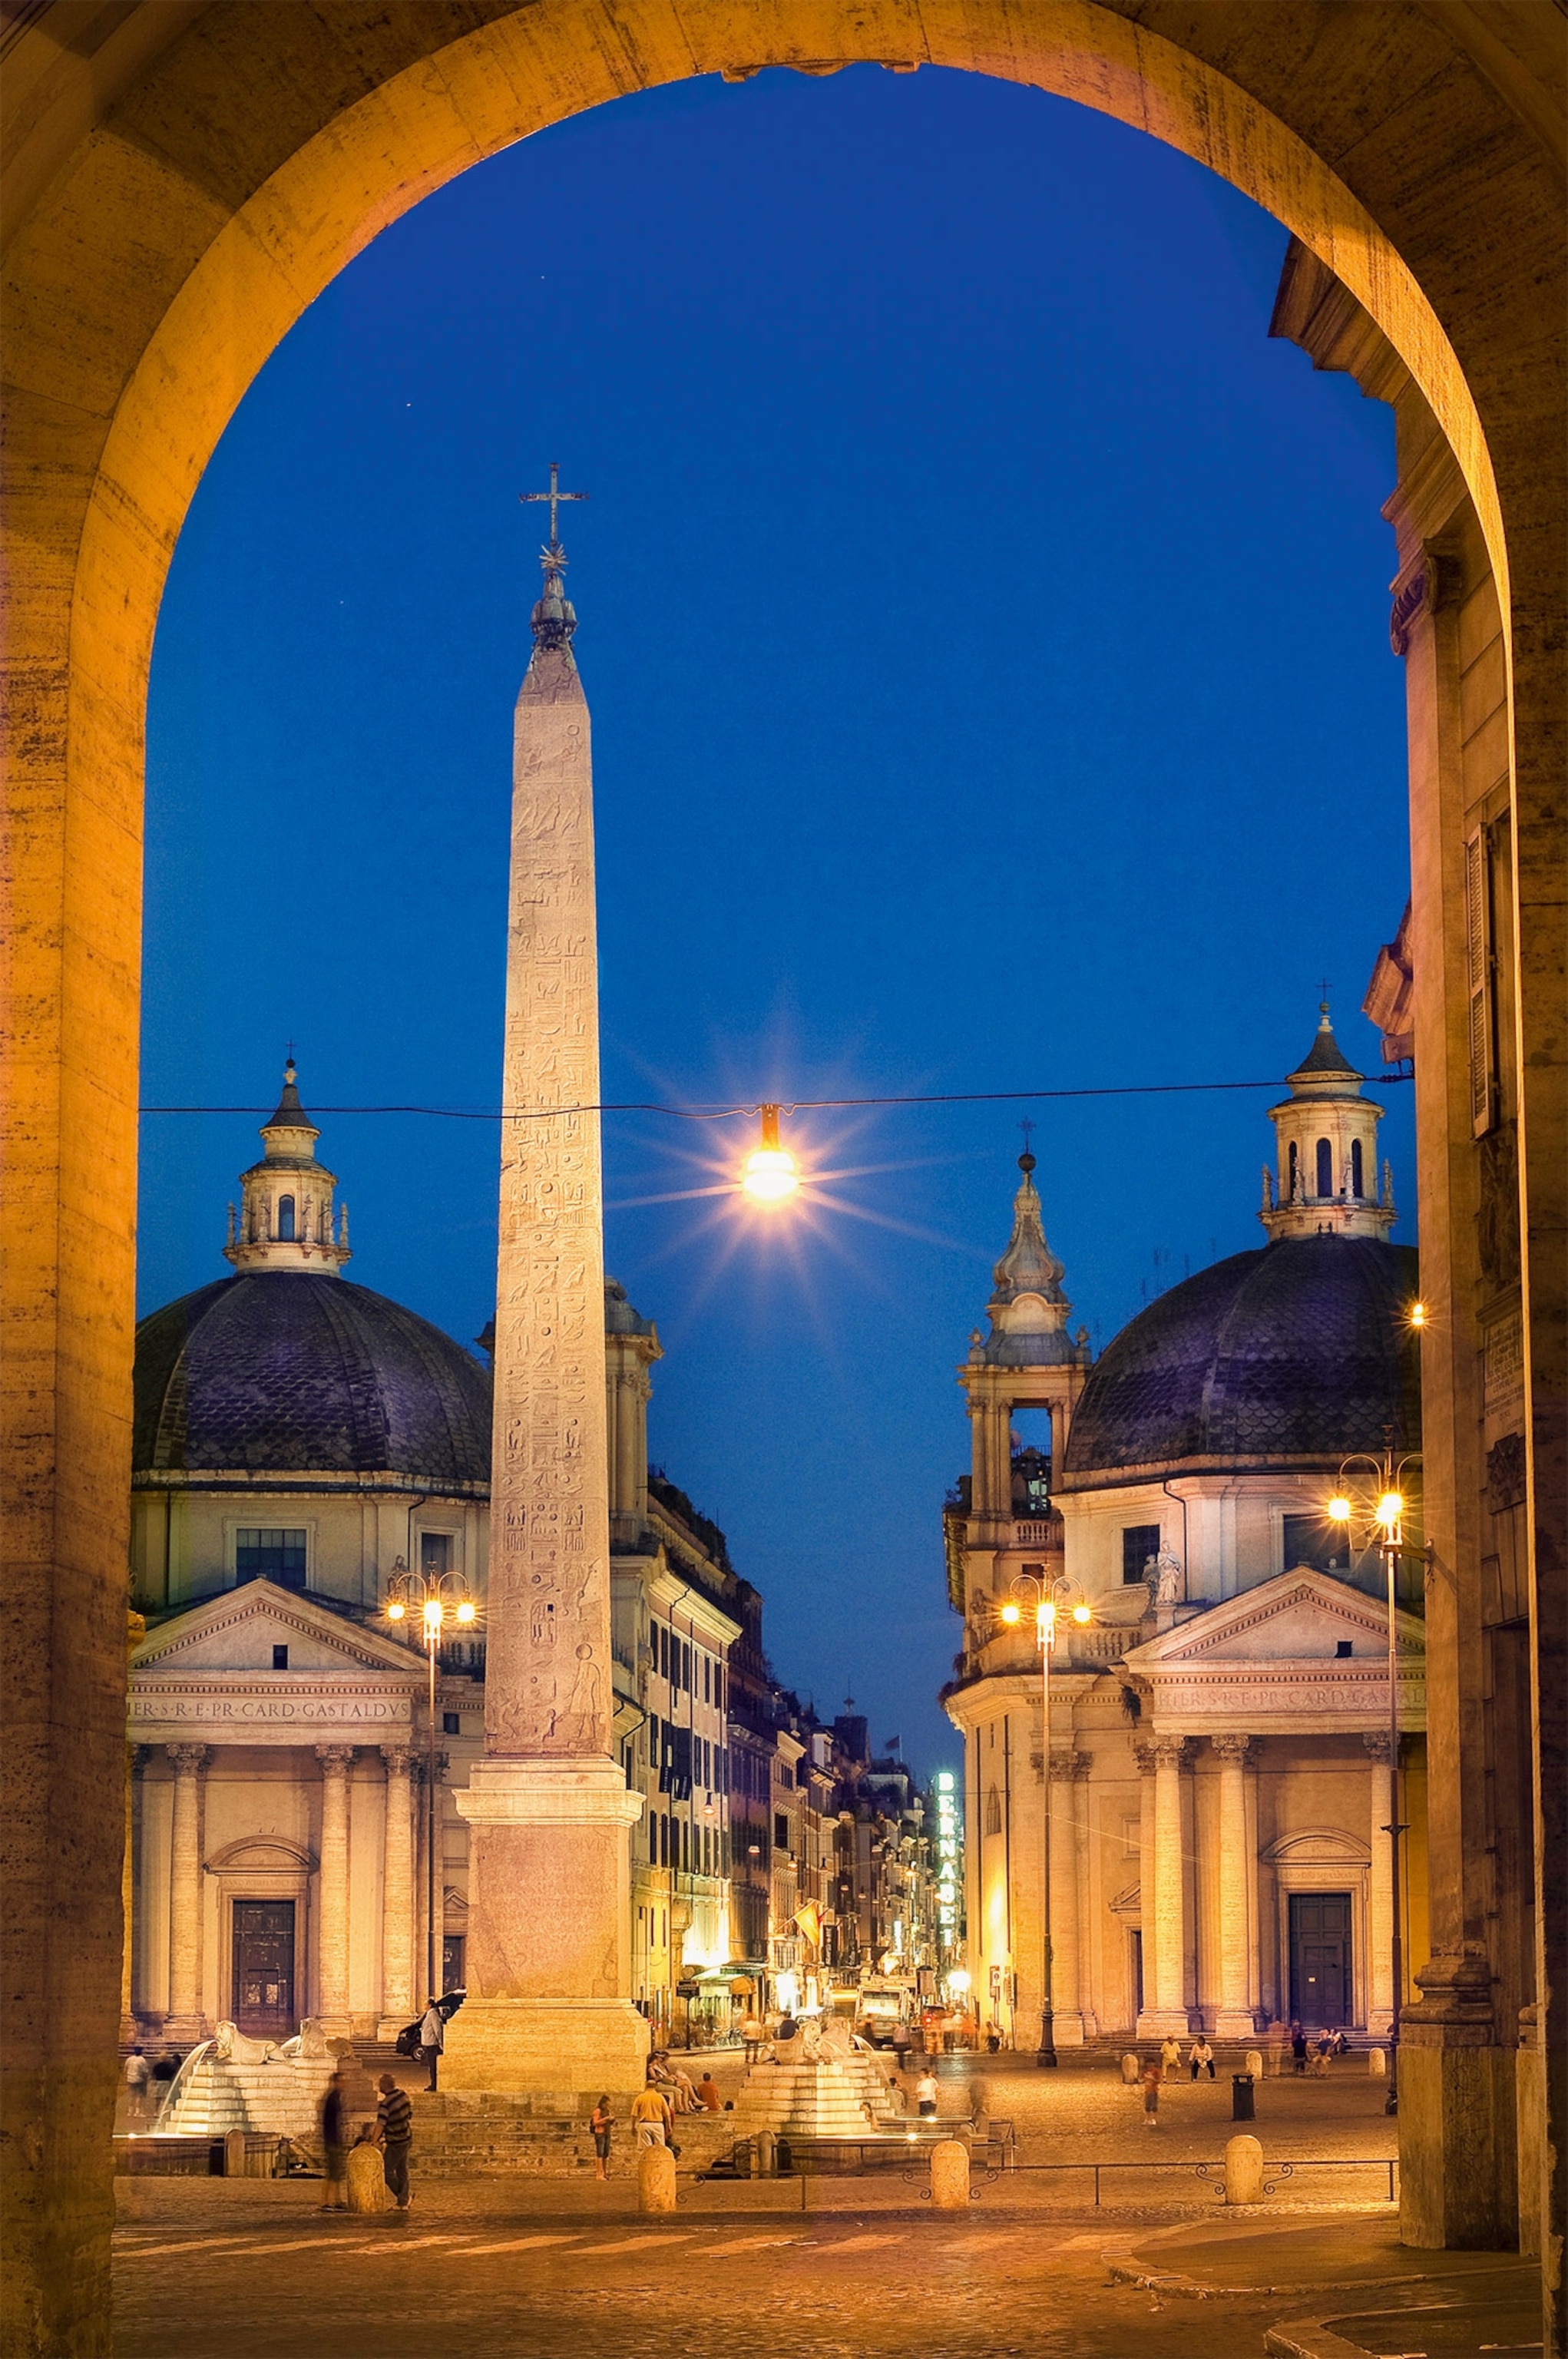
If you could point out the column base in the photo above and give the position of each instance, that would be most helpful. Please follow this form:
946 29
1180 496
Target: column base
1236 2023
185 2030
1457 2153
574 2049
1067 2027
1163 2023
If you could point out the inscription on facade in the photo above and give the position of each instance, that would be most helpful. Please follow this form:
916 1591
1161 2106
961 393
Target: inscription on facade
277 1710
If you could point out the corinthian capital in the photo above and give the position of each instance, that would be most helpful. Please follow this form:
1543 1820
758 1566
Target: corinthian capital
189 1758
1232 1748
335 1756
398 1759
1378 1743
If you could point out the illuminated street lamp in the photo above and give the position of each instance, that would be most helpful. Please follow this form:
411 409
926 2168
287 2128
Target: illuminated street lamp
431 1600
1049 1595
1370 1501
770 1174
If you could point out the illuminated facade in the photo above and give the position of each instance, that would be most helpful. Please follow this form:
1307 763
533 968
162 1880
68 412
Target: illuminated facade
1220 1774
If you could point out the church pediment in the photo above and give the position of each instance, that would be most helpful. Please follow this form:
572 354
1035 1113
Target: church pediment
238 1631
1302 1616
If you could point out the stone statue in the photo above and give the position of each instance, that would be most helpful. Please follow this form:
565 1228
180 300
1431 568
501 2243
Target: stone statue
1167 1571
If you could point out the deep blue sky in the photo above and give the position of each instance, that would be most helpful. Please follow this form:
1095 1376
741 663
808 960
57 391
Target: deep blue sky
985 627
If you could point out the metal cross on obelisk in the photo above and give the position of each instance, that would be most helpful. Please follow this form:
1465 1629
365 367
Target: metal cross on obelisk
553 554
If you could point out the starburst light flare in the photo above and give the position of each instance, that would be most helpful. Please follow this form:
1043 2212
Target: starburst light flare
770 1174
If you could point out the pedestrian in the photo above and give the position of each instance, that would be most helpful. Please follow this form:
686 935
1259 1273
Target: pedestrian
1324 2051
684 2098
432 2036
602 2121
1297 2048
650 2112
335 2144
784 2031
138 2078
751 2038
901 2044
164 2072
395 2136
1151 2079
1170 2055
708 2094
1199 2054
1340 2044
925 2096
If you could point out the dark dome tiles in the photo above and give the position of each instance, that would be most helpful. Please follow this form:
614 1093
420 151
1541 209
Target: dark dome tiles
272 1373
1291 1351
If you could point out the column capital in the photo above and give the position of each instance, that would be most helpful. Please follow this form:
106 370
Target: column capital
1068 1763
335 1756
1231 1747
1168 1752
189 1758
1378 1743
398 1759
1143 1754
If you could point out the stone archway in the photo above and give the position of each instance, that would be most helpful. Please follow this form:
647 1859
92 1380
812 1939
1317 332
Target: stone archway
182 180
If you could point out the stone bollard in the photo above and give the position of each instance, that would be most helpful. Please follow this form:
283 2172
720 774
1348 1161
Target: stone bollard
767 2151
949 2176
1244 2170
1253 2063
366 2178
655 2180
233 2154
1376 2063
1131 2070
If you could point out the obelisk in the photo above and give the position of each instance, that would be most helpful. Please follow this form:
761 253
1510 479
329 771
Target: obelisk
548 1960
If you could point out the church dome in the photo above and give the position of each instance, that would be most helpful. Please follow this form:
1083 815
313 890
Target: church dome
1294 1356
275 1371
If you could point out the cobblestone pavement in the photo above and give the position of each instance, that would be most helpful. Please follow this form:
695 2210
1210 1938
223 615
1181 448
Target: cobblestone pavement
502 2268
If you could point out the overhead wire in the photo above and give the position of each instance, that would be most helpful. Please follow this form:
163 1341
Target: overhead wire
753 1107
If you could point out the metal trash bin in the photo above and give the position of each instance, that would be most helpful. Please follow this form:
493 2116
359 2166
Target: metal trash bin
1243 2097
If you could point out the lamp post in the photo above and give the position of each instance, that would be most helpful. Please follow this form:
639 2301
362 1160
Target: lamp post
1047 1596
430 1599
1382 1525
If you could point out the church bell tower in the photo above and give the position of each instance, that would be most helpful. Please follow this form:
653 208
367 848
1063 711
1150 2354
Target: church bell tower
1326 1181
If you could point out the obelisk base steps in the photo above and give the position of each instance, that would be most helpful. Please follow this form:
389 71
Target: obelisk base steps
548 1933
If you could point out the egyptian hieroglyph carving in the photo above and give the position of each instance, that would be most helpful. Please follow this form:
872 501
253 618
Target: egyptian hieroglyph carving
545 1685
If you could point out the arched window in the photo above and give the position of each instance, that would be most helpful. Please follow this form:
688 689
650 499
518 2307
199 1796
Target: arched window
1356 1189
1325 1168
1294 1175
286 1219
993 1812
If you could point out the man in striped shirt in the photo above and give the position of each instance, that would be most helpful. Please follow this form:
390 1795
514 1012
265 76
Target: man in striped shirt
395 2136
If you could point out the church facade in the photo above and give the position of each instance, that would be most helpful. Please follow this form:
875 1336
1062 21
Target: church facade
300 1444
1219 1768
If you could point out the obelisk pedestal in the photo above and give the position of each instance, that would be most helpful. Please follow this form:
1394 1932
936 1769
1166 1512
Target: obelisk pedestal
548 2006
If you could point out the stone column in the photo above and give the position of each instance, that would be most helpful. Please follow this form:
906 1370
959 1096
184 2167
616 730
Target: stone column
1380 1885
1068 1769
549 1889
398 1893
185 2020
1234 2018
332 1907
134 1756
1169 2011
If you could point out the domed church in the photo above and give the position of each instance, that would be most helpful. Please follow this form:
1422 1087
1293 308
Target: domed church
297 1438
1221 1762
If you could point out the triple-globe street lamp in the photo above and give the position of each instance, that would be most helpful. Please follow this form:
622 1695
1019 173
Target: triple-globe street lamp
431 1600
1050 1596
1369 1507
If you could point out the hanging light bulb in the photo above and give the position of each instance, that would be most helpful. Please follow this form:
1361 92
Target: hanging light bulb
770 1173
